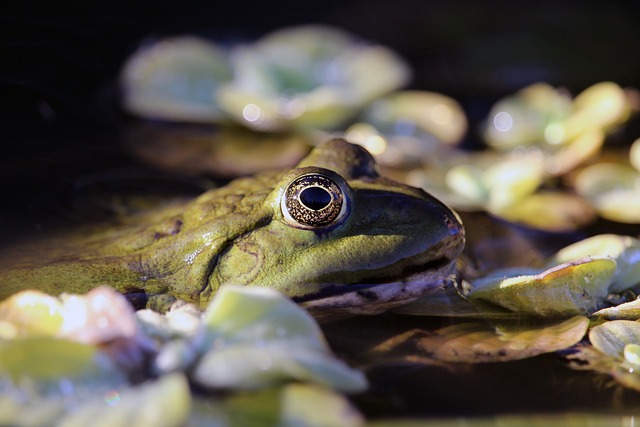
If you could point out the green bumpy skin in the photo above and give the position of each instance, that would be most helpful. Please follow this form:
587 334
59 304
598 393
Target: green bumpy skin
390 243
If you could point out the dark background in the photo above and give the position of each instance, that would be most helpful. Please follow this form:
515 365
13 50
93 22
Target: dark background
60 62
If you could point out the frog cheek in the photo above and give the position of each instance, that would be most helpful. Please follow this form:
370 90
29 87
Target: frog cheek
240 264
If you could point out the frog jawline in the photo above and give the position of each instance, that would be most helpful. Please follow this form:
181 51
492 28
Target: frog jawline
378 297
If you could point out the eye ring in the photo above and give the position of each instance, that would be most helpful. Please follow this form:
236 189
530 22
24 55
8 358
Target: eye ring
314 200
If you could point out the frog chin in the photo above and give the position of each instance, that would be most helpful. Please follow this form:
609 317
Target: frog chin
375 298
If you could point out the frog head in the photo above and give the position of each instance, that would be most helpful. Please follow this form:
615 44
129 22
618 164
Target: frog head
339 237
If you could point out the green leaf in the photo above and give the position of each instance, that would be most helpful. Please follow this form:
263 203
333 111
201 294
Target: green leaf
611 337
626 311
625 250
576 287
306 405
162 403
255 337
23 358
256 315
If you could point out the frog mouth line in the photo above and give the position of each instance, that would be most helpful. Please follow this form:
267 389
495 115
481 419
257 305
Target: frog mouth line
409 274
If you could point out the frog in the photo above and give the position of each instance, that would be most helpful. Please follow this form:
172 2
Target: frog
332 234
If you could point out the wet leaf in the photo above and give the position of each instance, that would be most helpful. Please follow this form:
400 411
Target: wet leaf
551 211
22 358
30 313
625 250
634 154
407 113
175 79
496 341
601 105
292 405
256 337
306 405
613 190
611 337
251 366
614 350
164 402
524 117
576 287
307 77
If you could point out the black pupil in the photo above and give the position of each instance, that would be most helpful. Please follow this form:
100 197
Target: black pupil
315 198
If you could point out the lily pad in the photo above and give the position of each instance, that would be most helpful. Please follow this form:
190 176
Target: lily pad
574 288
601 105
625 311
611 338
625 250
407 113
615 351
553 211
254 337
165 402
496 341
21 359
30 313
307 77
613 190
524 117
175 79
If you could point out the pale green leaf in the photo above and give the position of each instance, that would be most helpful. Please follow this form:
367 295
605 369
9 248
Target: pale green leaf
576 287
165 402
625 250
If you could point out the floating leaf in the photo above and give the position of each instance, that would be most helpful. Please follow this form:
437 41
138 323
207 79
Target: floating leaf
307 405
257 315
611 337
576 287
612 189
308 76
22 358
175 79
551 211
615 351
252 366
625 250
254 337
601 105
525 117
625 311
292 405
30 313
478 342
634 154
165 402
407 113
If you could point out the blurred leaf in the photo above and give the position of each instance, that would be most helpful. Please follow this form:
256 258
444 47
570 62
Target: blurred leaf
22 358
175 79
165 402
254 337
30 313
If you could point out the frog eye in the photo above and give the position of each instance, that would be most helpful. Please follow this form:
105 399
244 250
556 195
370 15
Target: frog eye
314 200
